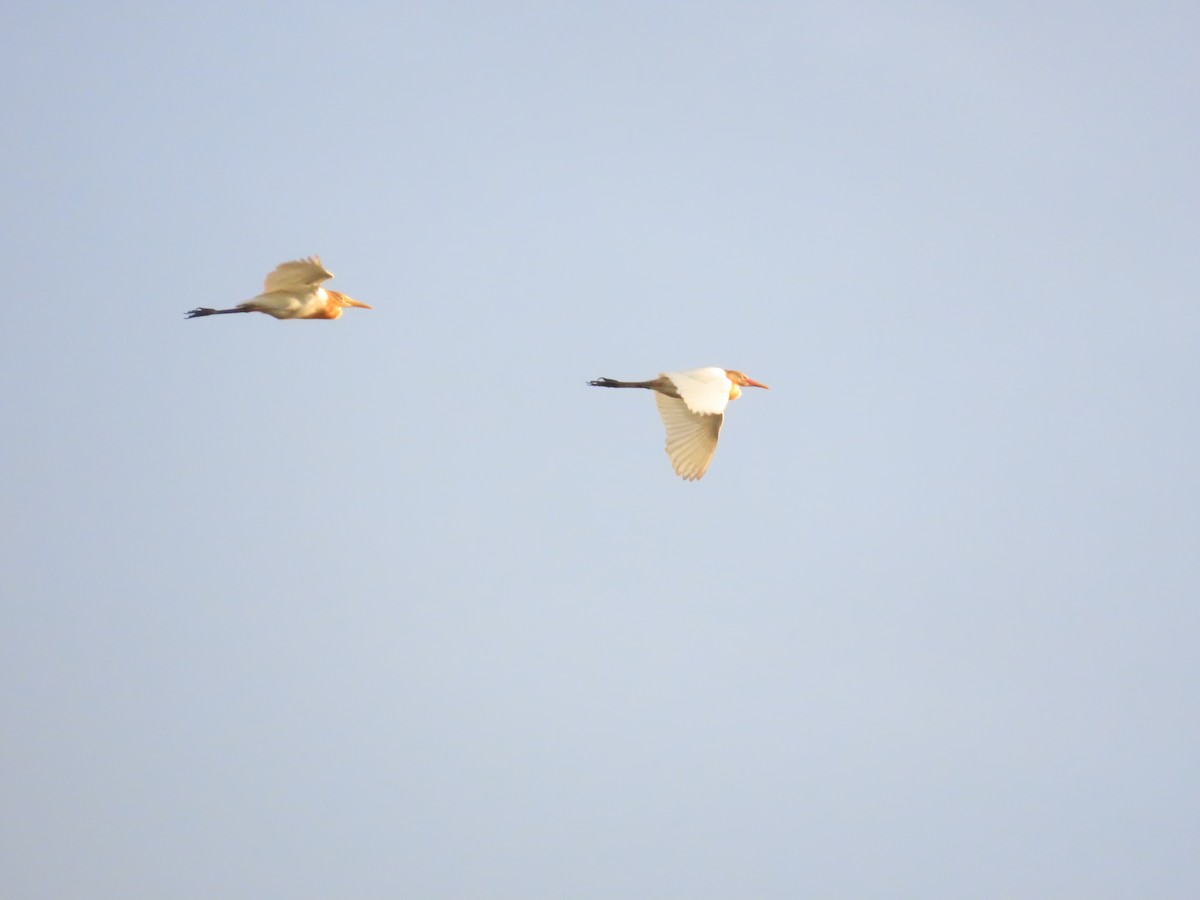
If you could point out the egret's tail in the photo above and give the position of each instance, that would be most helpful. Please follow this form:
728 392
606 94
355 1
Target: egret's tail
613 383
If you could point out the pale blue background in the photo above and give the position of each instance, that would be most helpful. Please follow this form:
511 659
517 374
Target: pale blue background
397 606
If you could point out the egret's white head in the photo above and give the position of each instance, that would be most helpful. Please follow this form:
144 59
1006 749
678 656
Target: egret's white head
343 300
740 380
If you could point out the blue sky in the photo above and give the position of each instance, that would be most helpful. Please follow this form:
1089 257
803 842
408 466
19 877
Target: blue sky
397 606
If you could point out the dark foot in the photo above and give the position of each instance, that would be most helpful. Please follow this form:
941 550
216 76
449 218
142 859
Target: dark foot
199 311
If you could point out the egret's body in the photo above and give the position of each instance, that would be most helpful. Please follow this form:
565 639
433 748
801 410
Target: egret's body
292 291
692 406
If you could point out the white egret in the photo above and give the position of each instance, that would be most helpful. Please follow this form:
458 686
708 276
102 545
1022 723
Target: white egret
692 406
292 291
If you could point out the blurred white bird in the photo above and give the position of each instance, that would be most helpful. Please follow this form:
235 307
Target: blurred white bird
692 405
292 291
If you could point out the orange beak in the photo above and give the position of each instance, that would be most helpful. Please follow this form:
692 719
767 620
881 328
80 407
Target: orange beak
750 382
350 302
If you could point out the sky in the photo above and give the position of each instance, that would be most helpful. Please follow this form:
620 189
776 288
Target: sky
398 606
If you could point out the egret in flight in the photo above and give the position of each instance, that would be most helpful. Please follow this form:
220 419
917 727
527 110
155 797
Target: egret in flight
692 405
292 291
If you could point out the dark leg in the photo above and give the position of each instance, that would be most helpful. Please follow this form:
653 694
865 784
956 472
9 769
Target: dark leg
613 383
205 311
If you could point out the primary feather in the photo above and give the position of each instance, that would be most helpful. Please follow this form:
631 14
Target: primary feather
691 436
297 275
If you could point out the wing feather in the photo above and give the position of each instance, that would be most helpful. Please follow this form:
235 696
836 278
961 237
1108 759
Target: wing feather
705 391
691 437
297 275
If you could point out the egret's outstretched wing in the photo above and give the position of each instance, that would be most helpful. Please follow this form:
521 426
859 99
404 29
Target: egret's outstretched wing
297 275
705 391
691 437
